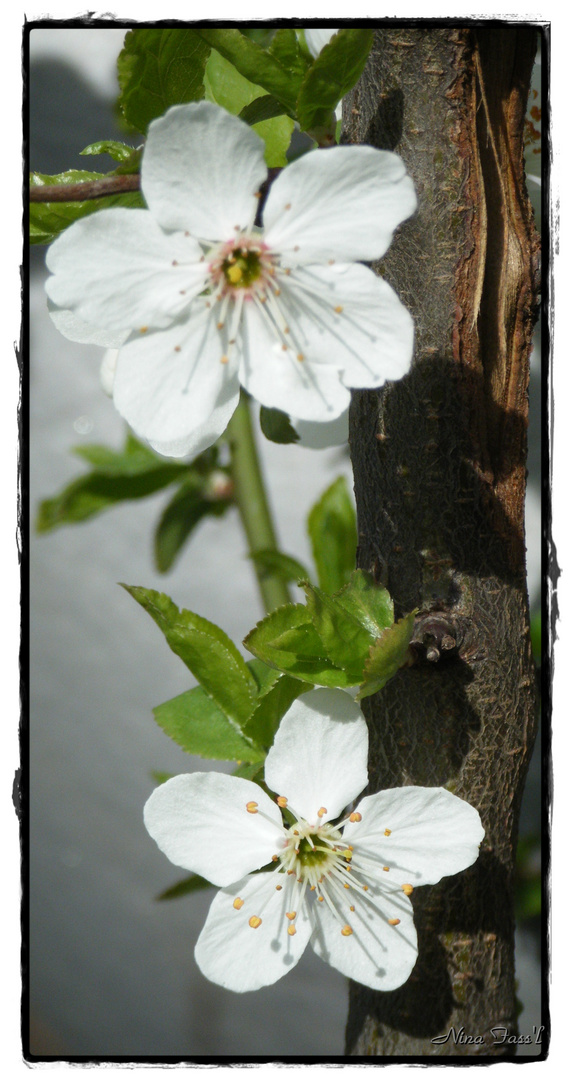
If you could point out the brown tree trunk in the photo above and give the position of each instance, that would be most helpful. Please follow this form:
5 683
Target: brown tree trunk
439 461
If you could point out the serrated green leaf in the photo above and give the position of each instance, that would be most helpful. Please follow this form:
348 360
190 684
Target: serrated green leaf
332 530
275 562
333 73
255 63
117 150
276 426
370 604
207 652
225 86
185 886
195 722
157 69
184 512
48 219
272 706
347 642
286 639
387 655
264 676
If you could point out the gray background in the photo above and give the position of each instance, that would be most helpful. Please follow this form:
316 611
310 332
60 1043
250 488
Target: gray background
111 971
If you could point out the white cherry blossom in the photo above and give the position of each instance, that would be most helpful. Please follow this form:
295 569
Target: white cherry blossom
202 300
332 877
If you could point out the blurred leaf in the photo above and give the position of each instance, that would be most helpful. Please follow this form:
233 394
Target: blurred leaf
133 473
48 219
117 150
276 426
225 86
157 69
286 639
261 108
255 63
207 652
332 528
333 73
387 655
195 722
185 886
184 512
275 562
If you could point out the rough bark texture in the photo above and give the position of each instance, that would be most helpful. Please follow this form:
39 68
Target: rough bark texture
439 461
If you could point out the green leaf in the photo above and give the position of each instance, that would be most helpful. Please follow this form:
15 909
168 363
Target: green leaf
332 529
346 641
117 150
195 722
264 676
276 426
286 639
370 604
225 86
133 473
185 886
207 652
387 655
333 73
273 705
261 108
48 219
285 47
255 63
185 511
157 69
275 562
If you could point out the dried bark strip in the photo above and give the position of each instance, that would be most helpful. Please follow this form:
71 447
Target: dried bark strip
439 462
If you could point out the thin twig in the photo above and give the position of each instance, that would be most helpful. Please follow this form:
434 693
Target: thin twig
87 189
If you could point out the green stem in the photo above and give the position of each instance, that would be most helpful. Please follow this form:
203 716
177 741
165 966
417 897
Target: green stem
251 500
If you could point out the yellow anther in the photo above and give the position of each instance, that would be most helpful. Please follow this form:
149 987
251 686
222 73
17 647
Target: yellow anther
322 810
346 885
234 274
407 890
291 930
220 326
386 868
355 816
291 915
300 356
291 871
252 807
255 922
284 348
287 206
277 292
281 800
296 832
352 908
393 922
238 903
279 888
275 858
365 888
177 348
312 888
223 359
339 308
143 329
388 832
347 853
257 194
346 931
320 898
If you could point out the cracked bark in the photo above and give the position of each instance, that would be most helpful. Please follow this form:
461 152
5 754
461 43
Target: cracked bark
439 463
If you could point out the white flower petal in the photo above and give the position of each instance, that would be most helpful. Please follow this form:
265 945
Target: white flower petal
353 320
432 833
118 270
200 821
107 371
240 957
316 436
76 329
376 954
341 203
172 388
319 756
277 379
318 37
201 168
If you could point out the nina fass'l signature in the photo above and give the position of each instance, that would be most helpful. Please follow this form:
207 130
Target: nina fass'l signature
500 1035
